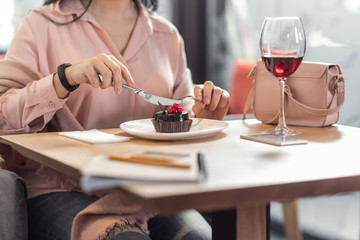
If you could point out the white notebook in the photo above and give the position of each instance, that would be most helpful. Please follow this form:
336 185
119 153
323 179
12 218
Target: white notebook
102 172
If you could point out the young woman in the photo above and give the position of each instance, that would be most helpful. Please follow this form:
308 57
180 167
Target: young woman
49 80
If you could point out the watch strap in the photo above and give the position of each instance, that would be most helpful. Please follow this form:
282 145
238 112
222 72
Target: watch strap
63 79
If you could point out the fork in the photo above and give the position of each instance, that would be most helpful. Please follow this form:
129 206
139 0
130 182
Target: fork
188 96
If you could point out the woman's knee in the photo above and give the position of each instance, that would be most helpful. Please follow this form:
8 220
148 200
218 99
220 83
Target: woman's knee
185 225
126 232
197 234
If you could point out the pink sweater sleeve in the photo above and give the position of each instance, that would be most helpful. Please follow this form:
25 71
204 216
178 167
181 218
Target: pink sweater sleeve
30 108
23 47
26 109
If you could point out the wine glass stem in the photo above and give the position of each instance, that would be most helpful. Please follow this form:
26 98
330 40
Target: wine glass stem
282 122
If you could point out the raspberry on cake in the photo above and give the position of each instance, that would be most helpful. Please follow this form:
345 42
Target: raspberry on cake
174 119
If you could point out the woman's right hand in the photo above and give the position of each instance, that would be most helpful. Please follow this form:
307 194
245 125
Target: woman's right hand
113 73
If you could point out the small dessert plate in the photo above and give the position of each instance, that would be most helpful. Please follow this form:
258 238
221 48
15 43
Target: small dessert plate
201 127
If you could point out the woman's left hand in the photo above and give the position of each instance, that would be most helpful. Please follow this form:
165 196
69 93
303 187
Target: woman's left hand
215 101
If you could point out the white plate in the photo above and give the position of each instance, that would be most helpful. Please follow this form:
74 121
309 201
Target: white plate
200 127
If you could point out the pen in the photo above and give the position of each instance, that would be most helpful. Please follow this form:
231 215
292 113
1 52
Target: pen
202 169
150 162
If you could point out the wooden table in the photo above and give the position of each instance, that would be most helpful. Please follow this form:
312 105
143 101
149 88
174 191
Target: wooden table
243 175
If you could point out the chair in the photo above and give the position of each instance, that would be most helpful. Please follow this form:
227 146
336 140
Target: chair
13 207
240 87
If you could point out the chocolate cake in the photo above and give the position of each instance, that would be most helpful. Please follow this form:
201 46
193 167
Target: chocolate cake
172 120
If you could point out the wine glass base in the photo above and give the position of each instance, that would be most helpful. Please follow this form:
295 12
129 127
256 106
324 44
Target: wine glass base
284 131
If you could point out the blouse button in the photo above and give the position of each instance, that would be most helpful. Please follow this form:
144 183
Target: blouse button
51 105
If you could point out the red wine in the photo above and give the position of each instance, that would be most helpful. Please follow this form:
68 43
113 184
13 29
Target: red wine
283 66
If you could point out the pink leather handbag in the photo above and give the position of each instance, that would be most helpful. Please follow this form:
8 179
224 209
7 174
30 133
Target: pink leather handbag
313 95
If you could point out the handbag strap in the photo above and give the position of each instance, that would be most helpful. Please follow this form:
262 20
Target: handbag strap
250 96
318 111
339 88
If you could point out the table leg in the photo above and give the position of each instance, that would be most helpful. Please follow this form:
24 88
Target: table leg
291 221
244 223
252 222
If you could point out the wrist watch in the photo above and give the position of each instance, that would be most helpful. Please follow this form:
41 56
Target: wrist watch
63 79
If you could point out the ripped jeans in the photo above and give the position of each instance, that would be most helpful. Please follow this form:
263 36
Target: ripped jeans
51 216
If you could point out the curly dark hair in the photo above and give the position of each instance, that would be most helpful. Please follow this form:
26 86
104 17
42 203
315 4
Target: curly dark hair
151 4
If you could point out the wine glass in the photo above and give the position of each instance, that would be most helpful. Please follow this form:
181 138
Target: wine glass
282 47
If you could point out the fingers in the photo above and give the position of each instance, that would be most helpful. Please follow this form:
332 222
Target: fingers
124 72
198 89
224 99
207 92
101 69
215 101
212 96
116 73
114 70
113 73
198 94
